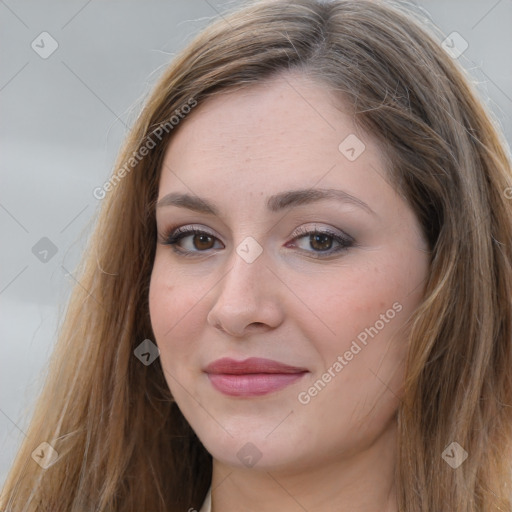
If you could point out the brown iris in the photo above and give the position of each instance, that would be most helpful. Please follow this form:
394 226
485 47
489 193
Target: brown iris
325 241
202 241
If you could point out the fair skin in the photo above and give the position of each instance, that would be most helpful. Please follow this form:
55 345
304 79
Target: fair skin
296 303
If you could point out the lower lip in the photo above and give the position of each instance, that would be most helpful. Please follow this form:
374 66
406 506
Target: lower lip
254 384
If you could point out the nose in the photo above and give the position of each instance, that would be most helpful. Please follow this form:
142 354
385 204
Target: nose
247 298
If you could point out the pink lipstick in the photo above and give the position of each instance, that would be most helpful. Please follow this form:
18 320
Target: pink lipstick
251 377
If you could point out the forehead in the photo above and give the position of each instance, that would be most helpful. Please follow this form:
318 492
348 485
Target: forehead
241 147
287 125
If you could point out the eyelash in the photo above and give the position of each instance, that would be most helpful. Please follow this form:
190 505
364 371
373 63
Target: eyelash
174 235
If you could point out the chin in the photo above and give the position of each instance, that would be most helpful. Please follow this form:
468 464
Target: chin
254 448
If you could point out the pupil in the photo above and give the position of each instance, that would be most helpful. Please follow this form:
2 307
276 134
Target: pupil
320 237
203 239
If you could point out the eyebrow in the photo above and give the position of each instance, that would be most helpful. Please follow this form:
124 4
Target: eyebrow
275 203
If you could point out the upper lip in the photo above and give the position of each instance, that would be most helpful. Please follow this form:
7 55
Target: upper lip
227 365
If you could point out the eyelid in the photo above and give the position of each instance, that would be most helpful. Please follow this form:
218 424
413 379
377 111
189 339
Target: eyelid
305 230
300 231
174 235
184 230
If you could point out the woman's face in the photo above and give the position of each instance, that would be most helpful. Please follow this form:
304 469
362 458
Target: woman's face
249 170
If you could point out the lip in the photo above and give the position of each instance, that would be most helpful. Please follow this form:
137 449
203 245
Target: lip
251 377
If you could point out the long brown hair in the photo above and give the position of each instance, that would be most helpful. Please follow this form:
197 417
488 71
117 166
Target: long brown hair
121 440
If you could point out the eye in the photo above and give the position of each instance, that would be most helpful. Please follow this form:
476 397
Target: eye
190 241
200 240
322 241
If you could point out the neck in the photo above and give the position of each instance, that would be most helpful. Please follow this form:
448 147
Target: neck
362 482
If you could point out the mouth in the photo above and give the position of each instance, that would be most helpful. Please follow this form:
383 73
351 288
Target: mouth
251 377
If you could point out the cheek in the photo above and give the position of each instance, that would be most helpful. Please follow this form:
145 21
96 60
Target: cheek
352 302
362 316
362 356
173 307
172 313
162 306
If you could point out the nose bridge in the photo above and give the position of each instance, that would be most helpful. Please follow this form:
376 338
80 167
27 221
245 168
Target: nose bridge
246 293
248 274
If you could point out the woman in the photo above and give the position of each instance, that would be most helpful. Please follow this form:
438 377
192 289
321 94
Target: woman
297 296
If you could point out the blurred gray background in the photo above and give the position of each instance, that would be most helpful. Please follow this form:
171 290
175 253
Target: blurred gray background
63 117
